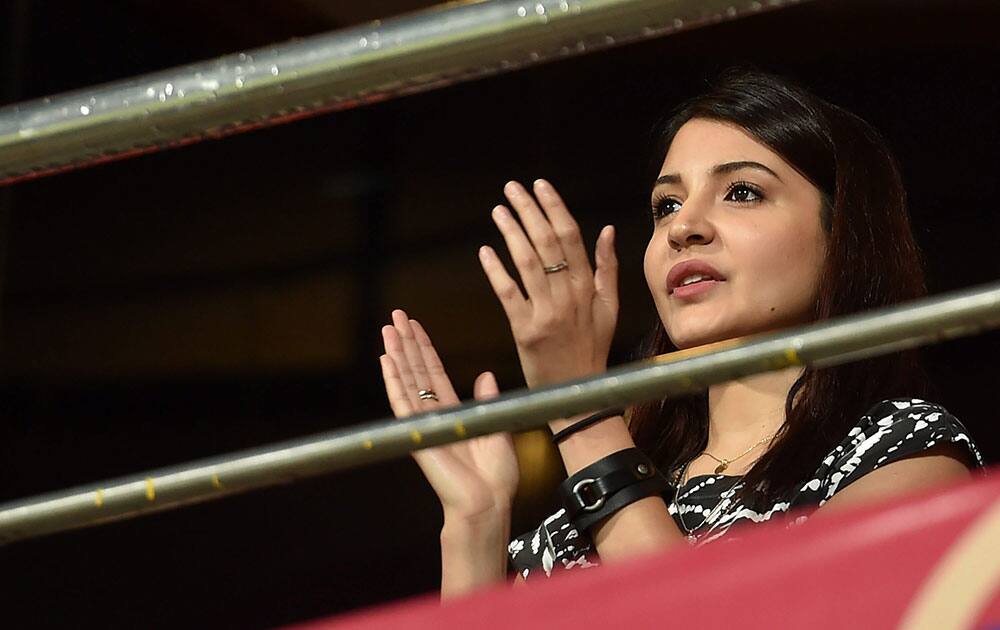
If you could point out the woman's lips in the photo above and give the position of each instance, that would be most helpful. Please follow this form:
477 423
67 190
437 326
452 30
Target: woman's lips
688 268
692 290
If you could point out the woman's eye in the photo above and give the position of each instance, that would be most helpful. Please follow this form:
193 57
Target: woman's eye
664 206
738 192
742 192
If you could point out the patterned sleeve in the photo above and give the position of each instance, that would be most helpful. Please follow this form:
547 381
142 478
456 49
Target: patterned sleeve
894 429
554 544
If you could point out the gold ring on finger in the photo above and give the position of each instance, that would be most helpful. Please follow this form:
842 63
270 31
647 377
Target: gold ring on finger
427 394
559 266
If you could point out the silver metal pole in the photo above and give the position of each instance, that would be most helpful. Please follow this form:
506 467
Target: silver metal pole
930 320
455 42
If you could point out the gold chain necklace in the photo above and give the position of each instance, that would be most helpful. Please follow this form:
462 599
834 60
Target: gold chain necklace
724 463
689 533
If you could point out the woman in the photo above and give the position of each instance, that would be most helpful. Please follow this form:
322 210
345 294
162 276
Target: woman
772 208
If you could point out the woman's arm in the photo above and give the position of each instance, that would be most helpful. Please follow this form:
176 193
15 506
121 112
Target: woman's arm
640 527
936 466
475 479
473 553
563 330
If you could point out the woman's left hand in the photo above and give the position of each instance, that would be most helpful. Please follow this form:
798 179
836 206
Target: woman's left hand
563 329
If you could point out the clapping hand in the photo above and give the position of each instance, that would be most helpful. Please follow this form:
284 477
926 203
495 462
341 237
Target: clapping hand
564 326
474 479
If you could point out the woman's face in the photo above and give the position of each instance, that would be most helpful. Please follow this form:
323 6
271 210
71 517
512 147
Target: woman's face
726 200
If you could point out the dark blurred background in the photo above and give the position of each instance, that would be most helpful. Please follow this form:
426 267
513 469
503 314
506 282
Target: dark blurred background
230 294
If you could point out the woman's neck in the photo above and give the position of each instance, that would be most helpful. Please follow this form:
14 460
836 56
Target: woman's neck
744 411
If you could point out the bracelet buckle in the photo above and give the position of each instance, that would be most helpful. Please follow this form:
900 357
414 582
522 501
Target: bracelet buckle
586 484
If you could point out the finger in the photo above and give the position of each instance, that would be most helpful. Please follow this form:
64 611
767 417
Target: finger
394 348
543 238
566 229
526 260
394 388
606 276
413 357
506 290
439 380
485 387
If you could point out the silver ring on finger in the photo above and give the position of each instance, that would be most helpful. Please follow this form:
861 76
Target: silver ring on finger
556 268
427 394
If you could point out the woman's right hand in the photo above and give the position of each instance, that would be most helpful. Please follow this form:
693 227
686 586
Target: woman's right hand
564 321
474 479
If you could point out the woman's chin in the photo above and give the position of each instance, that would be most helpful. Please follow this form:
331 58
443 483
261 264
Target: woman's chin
693 340
693 336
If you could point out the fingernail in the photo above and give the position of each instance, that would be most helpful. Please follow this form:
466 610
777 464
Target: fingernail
485 252
541 182
500 212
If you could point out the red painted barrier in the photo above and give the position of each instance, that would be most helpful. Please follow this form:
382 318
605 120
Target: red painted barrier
930 561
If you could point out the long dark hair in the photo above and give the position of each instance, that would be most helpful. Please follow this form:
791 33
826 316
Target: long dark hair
872 261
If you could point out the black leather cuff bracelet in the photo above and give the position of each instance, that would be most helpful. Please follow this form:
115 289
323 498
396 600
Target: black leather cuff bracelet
609 484
655 485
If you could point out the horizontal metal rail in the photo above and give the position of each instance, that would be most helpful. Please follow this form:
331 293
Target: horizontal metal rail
826 343
276 84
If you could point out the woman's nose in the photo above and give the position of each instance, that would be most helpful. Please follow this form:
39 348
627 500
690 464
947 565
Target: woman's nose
690 227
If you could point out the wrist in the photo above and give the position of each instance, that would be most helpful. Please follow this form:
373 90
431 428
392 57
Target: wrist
473 552
600 440
469 530
604 487
535 379
565 427
559 424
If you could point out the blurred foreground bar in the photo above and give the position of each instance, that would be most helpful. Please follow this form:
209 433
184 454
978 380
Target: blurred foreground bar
454 42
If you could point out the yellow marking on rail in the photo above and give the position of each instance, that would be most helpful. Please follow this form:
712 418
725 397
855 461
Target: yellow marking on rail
416 437
99 497
216 482
368 444
460 429
793 357
150 489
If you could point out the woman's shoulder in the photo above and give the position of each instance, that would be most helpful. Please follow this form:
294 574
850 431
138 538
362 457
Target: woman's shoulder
896 427
888 431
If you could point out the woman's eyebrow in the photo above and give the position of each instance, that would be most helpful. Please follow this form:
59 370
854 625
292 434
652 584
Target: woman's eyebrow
729 167
719 169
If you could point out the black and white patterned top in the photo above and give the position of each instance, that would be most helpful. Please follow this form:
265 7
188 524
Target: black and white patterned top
889 431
